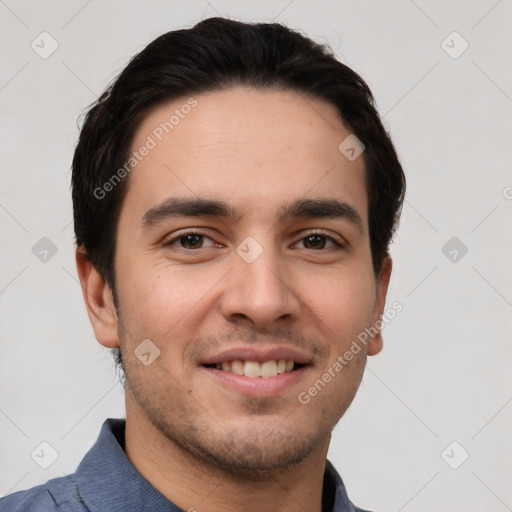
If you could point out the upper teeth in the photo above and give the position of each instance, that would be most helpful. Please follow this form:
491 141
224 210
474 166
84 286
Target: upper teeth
270 368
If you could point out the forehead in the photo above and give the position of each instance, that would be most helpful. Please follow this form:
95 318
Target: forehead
248 147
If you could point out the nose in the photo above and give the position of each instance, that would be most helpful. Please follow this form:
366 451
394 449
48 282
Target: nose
260 293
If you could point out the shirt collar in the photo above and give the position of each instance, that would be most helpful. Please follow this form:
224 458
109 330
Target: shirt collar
107 480
341 501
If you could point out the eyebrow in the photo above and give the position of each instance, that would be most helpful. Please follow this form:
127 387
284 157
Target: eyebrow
201 207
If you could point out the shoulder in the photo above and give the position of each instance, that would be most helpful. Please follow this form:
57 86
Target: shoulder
57 495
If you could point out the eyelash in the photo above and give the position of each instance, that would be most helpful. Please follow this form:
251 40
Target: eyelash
338 244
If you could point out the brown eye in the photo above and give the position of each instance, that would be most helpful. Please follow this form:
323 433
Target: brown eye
314 242
319 241
189 241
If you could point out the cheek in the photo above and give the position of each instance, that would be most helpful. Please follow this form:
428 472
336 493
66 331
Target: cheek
158 300
345 302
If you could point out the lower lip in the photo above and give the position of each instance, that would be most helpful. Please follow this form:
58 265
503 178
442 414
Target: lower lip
258 386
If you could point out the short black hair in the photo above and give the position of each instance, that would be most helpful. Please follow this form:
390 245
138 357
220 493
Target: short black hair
213 55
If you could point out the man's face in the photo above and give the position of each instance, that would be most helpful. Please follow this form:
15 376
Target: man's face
200 285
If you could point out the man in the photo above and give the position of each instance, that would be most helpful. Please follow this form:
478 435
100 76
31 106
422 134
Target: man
234 194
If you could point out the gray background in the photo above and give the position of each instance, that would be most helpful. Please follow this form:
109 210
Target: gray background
445 371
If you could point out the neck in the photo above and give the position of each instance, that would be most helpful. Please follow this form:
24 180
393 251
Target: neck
193 484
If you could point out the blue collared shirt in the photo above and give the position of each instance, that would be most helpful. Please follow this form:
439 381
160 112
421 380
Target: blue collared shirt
106 481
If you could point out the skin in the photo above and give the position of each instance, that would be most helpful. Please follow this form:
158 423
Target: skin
200 444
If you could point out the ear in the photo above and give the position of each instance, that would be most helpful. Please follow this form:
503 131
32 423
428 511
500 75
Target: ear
382 283
98 301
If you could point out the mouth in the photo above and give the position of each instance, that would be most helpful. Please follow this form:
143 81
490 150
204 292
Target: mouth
255 369
253 379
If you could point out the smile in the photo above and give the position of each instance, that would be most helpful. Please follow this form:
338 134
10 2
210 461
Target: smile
254 369
262 379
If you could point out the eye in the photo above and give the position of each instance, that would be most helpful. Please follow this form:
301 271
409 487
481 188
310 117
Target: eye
189 241
318 240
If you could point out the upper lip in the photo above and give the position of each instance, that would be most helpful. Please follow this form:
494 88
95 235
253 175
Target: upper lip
260 354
